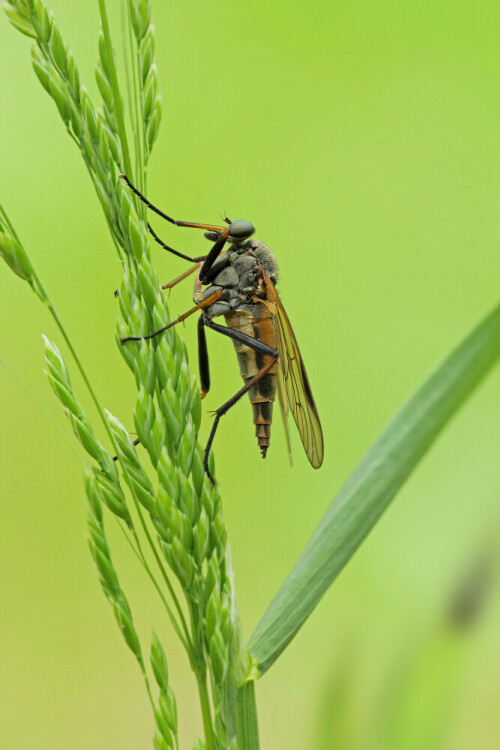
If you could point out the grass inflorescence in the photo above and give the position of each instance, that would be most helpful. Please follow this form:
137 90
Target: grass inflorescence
179 514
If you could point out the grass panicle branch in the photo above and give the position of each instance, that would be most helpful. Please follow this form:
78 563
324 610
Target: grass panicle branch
107 572
102 482
106 473
102 486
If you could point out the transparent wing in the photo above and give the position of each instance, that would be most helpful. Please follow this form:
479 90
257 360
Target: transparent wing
295 383
283 399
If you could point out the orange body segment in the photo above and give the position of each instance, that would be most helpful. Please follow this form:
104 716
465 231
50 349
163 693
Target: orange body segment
250 362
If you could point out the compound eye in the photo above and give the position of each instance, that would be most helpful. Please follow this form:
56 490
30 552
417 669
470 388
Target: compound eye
240 230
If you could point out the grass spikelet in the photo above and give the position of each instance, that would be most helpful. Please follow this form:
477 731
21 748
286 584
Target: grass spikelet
166 711
13 252
146 73
107 477
107 574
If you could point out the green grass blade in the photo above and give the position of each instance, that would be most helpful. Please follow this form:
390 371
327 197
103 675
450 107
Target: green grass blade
372 485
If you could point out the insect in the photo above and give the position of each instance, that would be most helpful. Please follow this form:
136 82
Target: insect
240 285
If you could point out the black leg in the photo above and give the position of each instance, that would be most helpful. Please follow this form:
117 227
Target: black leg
208 227
171 249
203 358
225 407
216 268
209 259
213 255
259 346
223 232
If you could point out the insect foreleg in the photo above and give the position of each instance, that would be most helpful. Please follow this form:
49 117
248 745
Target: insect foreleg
171 249
213 255
214 252
258 346
208 227
209 259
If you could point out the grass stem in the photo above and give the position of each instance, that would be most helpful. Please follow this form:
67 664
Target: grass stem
206 711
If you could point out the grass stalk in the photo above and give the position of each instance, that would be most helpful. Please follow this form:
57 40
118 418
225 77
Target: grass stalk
42 406
206 710
248 728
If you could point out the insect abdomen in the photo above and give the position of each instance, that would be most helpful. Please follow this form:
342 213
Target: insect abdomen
251 362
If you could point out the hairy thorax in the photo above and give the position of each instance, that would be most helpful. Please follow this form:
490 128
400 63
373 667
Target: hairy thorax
236 274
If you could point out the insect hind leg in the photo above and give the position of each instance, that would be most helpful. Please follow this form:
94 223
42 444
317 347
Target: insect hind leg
258 346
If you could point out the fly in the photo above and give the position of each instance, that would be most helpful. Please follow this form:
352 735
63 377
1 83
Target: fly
240 284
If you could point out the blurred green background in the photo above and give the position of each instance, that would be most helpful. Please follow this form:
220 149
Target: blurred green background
363 141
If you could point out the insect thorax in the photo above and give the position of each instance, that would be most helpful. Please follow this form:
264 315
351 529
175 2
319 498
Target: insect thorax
236 274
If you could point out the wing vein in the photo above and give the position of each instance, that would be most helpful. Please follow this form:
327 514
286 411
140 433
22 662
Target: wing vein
295 381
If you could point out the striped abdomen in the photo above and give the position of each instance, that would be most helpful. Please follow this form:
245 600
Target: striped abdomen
258 325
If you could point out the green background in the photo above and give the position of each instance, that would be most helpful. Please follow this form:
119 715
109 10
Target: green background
363 141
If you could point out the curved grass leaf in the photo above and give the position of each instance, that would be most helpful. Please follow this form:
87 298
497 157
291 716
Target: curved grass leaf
372 485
